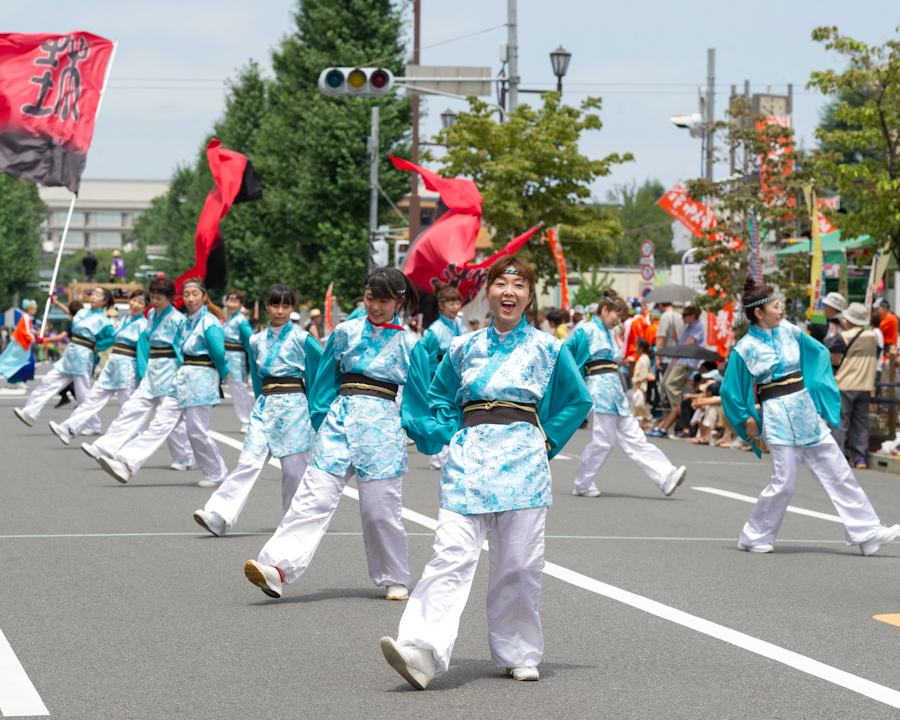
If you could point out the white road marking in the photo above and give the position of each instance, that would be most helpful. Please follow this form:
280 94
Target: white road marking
562 457
18 697
797 661
12 391
790 508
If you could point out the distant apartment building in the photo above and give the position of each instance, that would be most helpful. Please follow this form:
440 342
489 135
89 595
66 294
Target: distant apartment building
104 214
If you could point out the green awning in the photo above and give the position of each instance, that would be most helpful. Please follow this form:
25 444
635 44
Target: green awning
832 246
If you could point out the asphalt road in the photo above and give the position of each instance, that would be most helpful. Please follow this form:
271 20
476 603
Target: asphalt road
118 606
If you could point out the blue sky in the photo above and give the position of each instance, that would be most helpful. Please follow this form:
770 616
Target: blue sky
645 59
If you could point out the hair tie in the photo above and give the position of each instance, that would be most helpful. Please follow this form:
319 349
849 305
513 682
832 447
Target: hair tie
759 302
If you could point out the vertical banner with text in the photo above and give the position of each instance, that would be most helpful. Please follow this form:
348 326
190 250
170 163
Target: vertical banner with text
556 249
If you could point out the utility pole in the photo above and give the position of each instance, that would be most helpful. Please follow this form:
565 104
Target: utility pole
373 186
710 111
746 149
415 212
513 52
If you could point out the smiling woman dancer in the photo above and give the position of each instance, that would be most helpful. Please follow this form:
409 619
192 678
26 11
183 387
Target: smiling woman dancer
437 341
195 391
92 332
238 331
283 363
597 355
506 399
796 387
353 407
119 374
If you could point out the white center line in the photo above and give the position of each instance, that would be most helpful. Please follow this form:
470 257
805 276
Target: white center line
872 690
749 499
18 696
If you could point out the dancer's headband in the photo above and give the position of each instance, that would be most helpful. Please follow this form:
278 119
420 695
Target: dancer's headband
760 302
193 285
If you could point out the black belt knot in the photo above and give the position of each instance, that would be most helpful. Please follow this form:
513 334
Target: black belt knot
123 349
84 342
500 412
282 385
600 367
786 385
198 361
162 352
359 384
235 347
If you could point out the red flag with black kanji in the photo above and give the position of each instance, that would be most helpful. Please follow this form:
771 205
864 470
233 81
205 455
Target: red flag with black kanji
49 92
236 182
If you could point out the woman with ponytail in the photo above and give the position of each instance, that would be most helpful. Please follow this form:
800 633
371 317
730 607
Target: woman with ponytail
91 334
793 381
597 356
353 407
437 340
199 345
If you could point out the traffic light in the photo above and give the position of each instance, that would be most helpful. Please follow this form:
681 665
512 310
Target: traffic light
356 82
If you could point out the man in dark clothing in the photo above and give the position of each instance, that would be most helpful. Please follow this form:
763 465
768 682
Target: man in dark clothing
90 267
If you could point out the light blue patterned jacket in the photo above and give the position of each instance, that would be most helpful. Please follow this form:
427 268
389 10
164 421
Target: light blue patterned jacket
120 371
495 468
158 374
200 335
237 329
281 422
593 341
92 325
437 339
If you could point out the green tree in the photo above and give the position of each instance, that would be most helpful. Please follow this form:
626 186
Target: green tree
529 170
21 214
866 131
642 219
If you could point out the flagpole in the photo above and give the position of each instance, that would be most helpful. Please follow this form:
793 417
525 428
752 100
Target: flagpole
62 240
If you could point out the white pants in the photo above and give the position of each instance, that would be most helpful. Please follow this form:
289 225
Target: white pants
606 431
830 469
168 415
94 403
243 401
228 500
436 462
516 554
132 416
294 543
52 383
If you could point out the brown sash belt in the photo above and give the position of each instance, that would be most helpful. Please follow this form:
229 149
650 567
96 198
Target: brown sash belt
787 385
78 340
198 361
123 349
235 347
499 412
162 352
358 384
282 385
600 367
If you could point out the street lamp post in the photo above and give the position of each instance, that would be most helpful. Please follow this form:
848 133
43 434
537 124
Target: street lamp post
448 118
559 59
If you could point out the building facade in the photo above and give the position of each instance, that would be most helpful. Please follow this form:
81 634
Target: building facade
104 213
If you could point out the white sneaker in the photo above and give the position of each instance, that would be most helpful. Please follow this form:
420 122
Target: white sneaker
20 413
761 548
528 674
211 522
397 592
414 664
435 463
208 483
180 466
879 540
589 494
244 429
267 578
62 434
92 450
89 433
116 468
674 480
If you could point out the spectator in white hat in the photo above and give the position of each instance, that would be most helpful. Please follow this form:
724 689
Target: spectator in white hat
578 318
857 351
833 305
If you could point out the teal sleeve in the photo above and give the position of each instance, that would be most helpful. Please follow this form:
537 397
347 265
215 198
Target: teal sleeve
176 343
738 400
431 345
254 373
313 350
565 404
414 408
579 348
818 377
215 341
143 353
326 386
105 338
444 417
246 332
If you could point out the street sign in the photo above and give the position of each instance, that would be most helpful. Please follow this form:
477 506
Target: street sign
449 79
646 249
647 273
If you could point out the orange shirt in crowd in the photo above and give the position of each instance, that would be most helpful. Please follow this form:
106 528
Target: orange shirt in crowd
638 329
650 333
888 327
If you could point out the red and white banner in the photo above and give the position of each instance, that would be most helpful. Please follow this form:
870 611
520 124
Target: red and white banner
49 93
556 249
329 313
771 192
825 225
720 329
444 252
694 215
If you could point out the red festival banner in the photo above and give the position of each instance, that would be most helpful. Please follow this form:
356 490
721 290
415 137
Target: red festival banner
556 249
329 314
694 215
49 93
720 329
444 252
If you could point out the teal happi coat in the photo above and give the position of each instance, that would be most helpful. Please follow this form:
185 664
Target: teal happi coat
120 371
158 374
200 335
237 329
91 325
594 341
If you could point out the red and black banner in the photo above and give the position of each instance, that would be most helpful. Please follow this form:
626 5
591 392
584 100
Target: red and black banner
49 92
236 182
